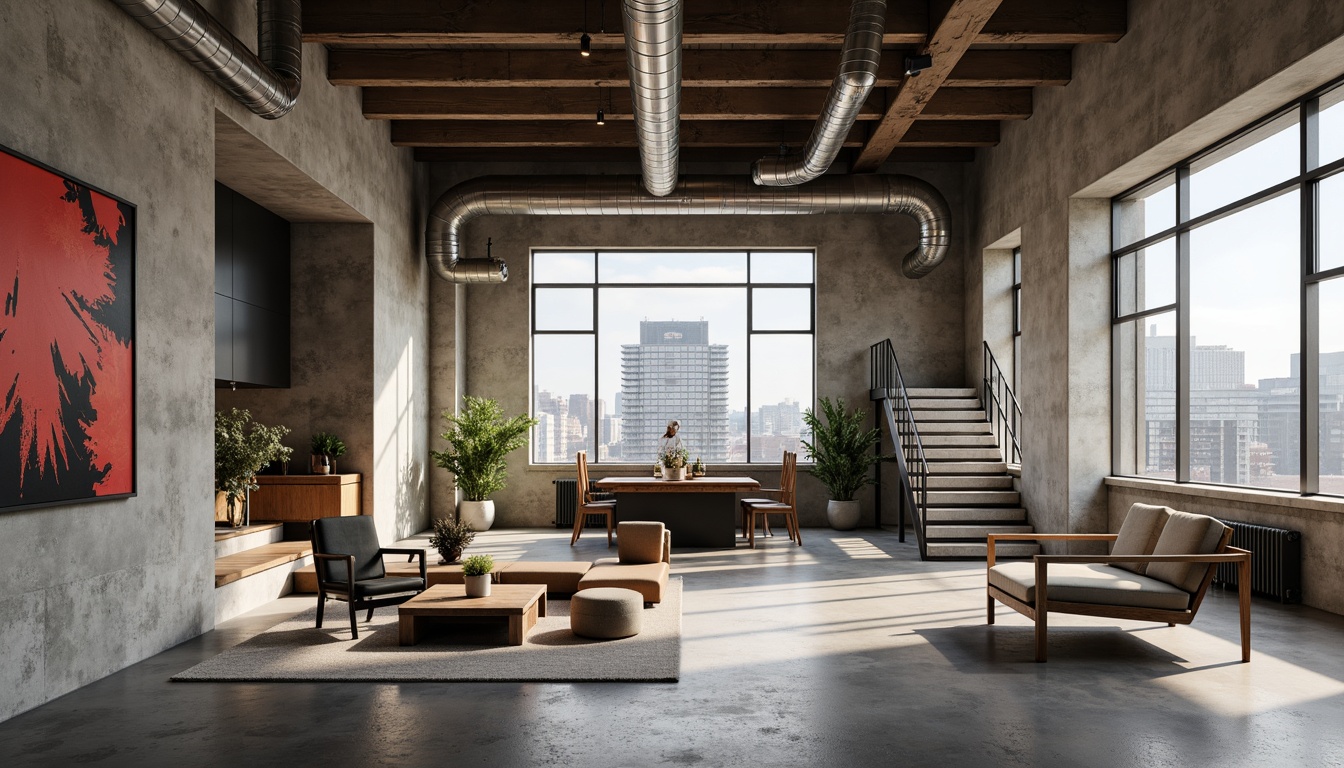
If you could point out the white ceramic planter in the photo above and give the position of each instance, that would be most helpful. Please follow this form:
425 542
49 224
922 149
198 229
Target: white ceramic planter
842 515
477 586
480 515
674 474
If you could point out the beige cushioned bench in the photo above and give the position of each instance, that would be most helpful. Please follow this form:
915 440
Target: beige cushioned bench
642 563
1159 568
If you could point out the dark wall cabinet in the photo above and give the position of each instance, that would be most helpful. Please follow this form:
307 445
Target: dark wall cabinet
251 293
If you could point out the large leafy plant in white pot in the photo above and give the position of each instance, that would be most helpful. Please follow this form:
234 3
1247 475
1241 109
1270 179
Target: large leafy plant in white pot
842 454
479 438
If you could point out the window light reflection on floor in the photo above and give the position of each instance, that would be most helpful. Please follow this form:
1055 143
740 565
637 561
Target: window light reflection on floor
860 549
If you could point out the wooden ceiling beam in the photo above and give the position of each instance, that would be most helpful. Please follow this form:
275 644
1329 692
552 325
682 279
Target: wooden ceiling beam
548 24
958 24
741 133
706 69
588 156
519 104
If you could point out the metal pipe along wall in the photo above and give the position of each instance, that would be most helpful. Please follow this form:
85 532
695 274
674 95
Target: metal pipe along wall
693 195
266 82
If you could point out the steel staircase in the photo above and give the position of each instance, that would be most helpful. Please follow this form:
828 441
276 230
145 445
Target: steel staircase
955 481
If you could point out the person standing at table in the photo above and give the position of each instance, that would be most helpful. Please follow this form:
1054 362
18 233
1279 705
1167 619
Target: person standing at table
669 441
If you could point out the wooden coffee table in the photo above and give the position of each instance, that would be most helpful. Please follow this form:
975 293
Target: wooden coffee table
520 604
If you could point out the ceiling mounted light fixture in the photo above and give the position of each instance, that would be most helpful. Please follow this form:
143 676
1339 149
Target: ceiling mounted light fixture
917 63
586 41
601 115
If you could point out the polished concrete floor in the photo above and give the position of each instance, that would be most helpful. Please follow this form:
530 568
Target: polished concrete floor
846 652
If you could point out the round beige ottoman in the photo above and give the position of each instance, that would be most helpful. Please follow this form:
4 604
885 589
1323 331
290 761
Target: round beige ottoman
606 613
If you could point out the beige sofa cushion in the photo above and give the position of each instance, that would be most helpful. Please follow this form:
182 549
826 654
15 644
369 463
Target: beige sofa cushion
639 542
648 579
1138 534
1186 534
1088 583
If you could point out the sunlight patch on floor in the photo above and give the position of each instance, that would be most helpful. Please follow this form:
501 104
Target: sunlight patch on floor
860 549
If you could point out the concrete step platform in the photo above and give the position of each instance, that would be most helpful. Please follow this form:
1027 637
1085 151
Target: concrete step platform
933 415
962 454
974 498
941 392
254 577
944 403
967 550
963 440
953 428
974 531
967 467
977 515
970 482
231 541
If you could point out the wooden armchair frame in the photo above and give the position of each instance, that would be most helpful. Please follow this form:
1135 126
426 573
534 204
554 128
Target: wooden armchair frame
1037 611
584 504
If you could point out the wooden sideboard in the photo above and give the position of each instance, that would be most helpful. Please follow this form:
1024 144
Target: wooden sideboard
303 498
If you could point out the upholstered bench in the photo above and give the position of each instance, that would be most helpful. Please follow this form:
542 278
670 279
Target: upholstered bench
642 563
1159 568
607 613
560 577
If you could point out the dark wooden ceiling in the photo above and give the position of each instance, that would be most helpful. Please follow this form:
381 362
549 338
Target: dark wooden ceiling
503 80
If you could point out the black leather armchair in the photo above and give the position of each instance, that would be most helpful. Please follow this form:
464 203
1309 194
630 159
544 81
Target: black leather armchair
350 567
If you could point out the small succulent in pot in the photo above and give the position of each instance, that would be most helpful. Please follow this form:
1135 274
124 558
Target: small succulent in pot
476 571
451 536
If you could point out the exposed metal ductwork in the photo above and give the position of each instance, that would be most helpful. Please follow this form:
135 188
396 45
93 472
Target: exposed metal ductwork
653 53
849 90
266 82
693 195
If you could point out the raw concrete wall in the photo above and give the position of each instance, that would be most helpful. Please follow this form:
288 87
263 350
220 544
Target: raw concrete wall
861 298
1183 76
92 588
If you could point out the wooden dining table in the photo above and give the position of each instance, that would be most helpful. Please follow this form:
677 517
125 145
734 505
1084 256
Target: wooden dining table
700 513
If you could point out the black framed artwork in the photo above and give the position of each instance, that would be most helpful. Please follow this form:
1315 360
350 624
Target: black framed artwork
67 339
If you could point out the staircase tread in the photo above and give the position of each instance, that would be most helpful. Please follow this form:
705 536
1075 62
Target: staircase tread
240 565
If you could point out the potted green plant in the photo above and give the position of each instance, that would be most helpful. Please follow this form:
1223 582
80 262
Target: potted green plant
476 575
479 439
451 536
674 463
326 448
698 468
243 448
842 454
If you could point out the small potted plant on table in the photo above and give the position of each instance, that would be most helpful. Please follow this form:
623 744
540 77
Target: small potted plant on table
476 575
451 536
842 452
674 463
327 448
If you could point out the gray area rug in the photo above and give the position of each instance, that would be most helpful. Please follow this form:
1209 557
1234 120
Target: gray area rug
295 650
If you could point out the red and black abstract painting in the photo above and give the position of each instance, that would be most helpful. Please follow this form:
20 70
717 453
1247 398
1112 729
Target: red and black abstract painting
67 376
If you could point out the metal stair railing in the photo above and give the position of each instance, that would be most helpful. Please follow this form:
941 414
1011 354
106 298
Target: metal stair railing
888 386
1001 409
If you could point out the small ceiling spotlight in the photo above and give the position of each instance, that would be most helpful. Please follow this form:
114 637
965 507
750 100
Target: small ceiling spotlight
601 115
918 63
586 45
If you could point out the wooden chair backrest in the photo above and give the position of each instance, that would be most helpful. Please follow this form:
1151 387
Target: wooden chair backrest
788 477
582 459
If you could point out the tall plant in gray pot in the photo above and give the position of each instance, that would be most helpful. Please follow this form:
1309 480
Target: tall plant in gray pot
479 439
842 454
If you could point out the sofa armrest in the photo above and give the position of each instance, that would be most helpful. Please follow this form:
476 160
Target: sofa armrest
667 547
411 553
349 570
993 537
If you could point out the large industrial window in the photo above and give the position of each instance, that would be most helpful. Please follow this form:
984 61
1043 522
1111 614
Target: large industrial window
625 341
1228 278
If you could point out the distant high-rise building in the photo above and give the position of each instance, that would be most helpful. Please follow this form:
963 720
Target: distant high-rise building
674 373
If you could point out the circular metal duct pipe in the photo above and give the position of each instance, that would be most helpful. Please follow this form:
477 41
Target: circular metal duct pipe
693 195
653 54
266 82
849 90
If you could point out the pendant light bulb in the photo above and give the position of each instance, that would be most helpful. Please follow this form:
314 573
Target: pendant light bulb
601 117
586 45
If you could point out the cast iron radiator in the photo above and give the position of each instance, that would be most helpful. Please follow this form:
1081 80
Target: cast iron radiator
566 497
1276 561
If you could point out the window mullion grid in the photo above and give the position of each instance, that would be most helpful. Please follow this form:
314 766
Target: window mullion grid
1183 351
1309 447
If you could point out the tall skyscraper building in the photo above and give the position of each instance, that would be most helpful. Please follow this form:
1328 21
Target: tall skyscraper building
674 373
